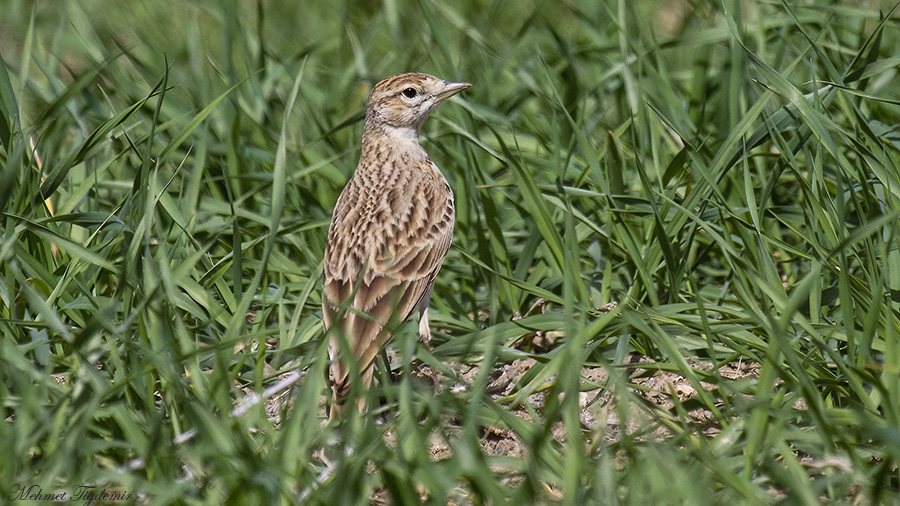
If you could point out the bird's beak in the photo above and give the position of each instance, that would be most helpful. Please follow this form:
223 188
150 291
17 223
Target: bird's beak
451 89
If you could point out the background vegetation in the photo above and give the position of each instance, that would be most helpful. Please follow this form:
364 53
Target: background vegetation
726 171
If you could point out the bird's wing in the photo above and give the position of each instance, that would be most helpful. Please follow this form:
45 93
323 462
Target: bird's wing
382 260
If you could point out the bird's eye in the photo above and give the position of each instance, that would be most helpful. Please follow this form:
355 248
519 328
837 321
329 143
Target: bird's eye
410 93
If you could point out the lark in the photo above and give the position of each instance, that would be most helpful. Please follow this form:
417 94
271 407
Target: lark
389 233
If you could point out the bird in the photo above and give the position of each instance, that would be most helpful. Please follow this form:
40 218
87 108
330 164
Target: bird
390 231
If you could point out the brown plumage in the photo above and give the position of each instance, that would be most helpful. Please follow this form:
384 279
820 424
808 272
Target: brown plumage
390 231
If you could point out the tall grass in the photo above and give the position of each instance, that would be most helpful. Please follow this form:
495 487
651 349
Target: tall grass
727 172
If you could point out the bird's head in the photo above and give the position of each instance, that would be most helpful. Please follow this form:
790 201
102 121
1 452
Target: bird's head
405 100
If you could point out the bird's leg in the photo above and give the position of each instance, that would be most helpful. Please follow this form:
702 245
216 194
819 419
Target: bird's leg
425 338
424 329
